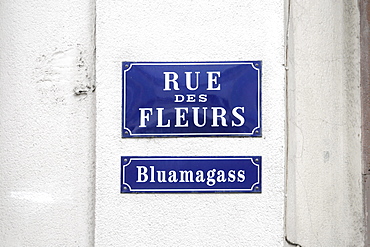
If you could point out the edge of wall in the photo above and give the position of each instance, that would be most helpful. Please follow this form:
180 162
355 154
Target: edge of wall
324 171
365 106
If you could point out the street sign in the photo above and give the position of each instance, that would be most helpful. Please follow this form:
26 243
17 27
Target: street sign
191 99
191 174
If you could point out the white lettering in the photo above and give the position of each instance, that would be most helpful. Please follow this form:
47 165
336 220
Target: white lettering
221 176
152 179
203 98
179 98
241 176
167 81
172 176
186 176
213 80
211 177
210 180
160 118
180 117
143 116
231 176
188 80
161 176
196 116
216 116
190 98
219 116
142 175
199 176
238 116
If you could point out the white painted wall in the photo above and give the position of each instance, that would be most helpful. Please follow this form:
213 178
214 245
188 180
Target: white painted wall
189 31
325 203
47 123
46 130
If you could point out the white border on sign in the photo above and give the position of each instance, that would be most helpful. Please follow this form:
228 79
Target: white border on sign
190 158
194 134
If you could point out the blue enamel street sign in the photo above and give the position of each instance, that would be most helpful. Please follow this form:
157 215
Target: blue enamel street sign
191 174
191 99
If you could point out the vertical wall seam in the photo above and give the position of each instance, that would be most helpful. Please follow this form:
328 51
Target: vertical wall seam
94 124
287 18
287 29
365 108
365 81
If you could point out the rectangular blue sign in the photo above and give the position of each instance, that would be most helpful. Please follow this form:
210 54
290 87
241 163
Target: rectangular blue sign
191 174
191 99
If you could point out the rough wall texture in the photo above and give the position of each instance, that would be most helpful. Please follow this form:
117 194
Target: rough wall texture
189 31
325 206
46 123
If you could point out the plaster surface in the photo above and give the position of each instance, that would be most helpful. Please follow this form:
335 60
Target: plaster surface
324 196
189 31
46 123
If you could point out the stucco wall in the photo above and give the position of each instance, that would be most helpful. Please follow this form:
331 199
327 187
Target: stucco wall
325 204
189 31
46 125
48 117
